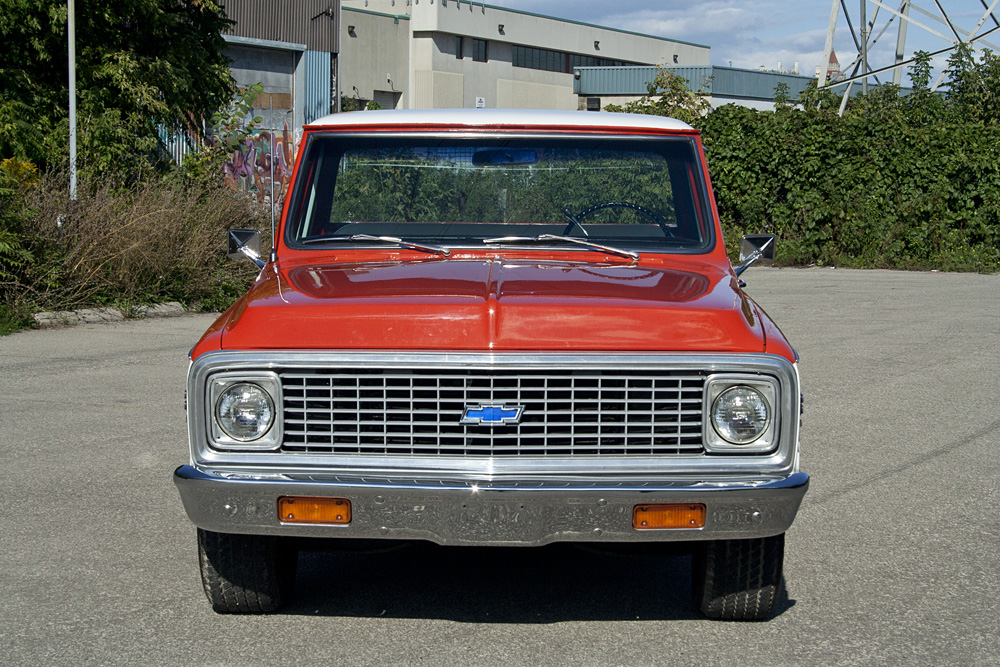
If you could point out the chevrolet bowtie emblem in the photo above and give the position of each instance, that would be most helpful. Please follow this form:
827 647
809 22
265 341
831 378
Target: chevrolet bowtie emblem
492 414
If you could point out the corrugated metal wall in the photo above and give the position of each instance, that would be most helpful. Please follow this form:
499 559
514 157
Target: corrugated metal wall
732 82
727 81
612 80
309 22
316 96
698 78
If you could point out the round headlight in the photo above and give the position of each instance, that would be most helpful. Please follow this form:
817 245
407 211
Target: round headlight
245 412
740 414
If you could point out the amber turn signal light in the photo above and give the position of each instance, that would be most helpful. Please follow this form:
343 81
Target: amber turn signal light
673 515
307 509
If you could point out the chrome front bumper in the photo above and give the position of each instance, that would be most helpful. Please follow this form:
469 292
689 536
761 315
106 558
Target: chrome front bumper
527 513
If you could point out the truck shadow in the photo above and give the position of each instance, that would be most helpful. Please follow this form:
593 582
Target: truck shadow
550 584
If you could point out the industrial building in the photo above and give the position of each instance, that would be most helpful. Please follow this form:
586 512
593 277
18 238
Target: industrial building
314 57
426 54
422 54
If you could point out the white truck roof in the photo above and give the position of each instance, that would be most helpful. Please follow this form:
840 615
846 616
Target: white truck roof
500 117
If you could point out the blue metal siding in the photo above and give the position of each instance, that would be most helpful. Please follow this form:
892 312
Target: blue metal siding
698 78
612 80
316 93
755 85
717 81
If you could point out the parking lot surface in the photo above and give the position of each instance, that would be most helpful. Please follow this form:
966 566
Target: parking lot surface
893 559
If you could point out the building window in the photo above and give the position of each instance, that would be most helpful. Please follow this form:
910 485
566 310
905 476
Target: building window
558 61
458 47
591 61
479 53
543 59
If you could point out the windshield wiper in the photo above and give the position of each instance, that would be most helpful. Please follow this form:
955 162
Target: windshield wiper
382 239
566 239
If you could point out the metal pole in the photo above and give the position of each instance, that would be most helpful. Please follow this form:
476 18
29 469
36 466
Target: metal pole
904 21
71 11
864 46
271 162
340 49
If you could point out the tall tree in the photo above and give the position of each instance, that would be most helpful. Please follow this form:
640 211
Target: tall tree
140 64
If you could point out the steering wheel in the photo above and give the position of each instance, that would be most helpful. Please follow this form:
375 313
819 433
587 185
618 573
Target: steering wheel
653 215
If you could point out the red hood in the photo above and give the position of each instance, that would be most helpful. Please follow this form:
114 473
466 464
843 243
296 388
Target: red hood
494 304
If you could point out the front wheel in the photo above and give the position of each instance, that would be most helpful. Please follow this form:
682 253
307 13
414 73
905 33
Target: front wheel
246 574
739 579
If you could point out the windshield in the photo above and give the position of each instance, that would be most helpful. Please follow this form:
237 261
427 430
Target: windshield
641 194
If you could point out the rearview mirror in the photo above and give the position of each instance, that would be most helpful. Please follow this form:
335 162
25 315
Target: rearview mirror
754 248
752 243
502 157
245 243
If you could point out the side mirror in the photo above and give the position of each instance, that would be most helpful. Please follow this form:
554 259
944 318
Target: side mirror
754 248
245 243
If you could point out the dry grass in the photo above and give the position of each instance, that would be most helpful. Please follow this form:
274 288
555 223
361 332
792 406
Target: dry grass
152 241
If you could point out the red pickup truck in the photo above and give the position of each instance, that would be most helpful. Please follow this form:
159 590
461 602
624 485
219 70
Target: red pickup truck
489 327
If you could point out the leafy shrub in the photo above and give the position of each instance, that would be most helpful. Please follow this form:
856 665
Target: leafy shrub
897 182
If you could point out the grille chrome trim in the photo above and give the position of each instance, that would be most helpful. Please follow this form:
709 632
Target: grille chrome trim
782 460
375 412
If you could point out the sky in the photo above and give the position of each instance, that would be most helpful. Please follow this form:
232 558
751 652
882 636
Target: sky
750 34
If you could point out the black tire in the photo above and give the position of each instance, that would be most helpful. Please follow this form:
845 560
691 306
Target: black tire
246 574
738 579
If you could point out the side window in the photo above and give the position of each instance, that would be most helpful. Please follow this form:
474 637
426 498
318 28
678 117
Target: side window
479 53
458 46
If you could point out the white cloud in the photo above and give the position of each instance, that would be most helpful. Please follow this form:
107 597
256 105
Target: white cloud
715 19
744 33
751 34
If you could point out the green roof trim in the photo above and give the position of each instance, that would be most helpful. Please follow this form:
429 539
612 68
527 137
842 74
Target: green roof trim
373 13
589 25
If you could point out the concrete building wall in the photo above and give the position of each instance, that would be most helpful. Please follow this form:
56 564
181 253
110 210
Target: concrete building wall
525 28
374 63
495 81
520 94
438 90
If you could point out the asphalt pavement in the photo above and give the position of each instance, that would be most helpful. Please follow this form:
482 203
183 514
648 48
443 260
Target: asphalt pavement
894 558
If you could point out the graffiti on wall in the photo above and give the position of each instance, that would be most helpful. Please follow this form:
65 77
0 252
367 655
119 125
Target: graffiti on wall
249 169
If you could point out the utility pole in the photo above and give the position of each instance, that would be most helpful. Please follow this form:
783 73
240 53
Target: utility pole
71 10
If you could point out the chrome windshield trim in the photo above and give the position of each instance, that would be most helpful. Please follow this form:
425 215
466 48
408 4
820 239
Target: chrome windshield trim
513 132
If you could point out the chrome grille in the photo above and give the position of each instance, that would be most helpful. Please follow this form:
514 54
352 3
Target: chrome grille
417 412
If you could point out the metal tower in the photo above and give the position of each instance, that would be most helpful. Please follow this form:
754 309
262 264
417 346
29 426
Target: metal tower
908 13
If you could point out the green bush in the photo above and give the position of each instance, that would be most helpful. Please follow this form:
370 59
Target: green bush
897 182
